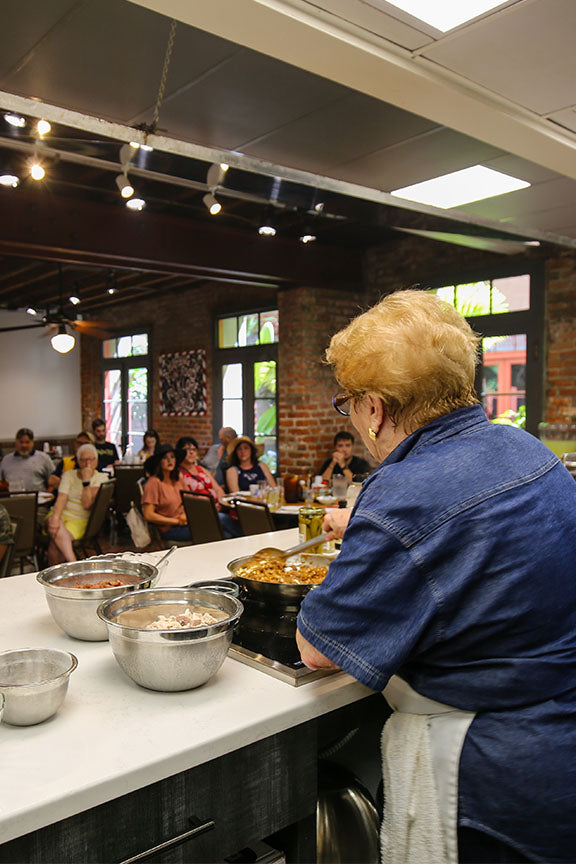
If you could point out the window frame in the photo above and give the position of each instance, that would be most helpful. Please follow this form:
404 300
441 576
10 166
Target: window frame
529 321
247 356
124 364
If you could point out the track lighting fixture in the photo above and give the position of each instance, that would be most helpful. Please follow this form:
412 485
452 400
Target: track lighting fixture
74 300
43 127
224 166
267 227
136 146
9 180
212 204
215 175
37 171
135 203
267 230
31 311
124 185
15 120
62 341
307 238
126 153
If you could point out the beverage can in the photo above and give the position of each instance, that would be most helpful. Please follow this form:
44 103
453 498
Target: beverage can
310 520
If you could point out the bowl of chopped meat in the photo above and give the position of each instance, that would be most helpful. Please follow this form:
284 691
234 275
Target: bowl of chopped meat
171 638
76 589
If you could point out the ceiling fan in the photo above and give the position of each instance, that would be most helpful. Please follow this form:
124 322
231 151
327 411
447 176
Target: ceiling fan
58 320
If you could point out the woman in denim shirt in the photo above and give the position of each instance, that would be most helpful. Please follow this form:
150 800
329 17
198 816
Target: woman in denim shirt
455 594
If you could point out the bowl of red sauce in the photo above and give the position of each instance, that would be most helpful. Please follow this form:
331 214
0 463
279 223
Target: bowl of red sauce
76 589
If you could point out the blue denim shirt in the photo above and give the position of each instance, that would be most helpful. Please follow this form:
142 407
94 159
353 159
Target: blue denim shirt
458 571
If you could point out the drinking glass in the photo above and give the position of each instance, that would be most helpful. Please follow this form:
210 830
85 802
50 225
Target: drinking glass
339 486
569 462
262 488
273 498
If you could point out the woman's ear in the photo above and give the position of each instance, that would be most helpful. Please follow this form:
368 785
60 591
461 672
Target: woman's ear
377 412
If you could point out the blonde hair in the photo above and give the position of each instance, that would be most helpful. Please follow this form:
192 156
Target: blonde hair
413 350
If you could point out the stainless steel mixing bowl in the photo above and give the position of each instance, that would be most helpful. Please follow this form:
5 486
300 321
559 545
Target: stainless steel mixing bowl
75 609
34 682
169 659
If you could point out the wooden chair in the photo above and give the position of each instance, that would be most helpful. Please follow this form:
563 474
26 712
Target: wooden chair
24 505
156 536
98 513
8 559
202 516
127 488
254 518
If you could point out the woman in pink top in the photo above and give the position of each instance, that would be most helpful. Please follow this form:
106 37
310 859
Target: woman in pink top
196 477
161 501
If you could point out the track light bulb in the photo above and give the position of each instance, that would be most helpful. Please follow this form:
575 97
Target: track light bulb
307 238
267 231
224 166
63 342
15 120
212 204
74 300
135 203
43 127
123 184
37 172
9 180
31 311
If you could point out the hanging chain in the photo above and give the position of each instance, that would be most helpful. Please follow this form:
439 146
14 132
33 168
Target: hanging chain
162 87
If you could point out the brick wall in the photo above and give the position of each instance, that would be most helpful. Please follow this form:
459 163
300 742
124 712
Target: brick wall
560 388
307 420
178 321
309 316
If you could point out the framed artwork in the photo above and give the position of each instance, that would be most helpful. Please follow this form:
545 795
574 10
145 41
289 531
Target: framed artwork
183 384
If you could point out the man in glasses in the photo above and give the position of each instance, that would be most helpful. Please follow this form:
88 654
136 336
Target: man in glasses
342 461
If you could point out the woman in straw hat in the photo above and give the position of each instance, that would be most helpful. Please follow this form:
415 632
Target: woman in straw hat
245 469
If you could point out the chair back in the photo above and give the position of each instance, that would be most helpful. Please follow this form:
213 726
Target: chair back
99 510
24 505
8 559
202 517
126 477
254 518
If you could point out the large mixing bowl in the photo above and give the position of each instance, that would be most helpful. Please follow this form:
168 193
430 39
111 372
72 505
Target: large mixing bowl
169 659
75 609
34 682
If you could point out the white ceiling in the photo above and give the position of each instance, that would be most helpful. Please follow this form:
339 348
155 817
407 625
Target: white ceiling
348 94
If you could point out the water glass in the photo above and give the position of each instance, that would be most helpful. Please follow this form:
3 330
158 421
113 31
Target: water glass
273 498
569 462
262 489
339 486
253 489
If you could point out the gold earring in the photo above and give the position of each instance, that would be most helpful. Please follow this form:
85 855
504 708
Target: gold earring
373 435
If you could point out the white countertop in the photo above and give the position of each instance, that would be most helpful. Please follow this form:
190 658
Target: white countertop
110 736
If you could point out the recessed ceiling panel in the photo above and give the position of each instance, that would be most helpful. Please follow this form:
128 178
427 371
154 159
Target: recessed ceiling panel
526 55
245 98
26 23
526 202
518 167
365 15
344 129
106 58
421 158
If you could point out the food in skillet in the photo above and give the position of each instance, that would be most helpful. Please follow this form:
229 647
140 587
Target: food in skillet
276 570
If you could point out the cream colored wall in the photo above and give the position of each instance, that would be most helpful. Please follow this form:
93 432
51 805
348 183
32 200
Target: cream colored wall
39 388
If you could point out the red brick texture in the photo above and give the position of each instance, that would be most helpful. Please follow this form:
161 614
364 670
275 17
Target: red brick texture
560 389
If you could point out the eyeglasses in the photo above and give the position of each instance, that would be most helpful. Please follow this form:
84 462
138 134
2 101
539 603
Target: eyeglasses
342 404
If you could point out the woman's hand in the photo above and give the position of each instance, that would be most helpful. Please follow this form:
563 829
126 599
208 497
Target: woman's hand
53 525
335 522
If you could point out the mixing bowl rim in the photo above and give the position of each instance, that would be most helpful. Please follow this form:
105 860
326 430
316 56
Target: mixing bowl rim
230 619
65 674
72 593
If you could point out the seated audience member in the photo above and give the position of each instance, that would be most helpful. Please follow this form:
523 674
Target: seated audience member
76 495
197 479
68 462
6 534
216 459
342 461
107 452
226 435
245 468
150 444
161 501
27 467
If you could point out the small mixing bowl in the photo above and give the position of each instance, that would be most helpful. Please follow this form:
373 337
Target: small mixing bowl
74 609
169 659
34 682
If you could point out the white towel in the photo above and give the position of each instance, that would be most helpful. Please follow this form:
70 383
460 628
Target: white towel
412 829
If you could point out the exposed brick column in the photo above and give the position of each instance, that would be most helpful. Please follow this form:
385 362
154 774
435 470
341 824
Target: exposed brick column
307 421
560 393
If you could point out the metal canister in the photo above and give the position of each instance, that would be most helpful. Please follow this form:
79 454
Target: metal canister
310 520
